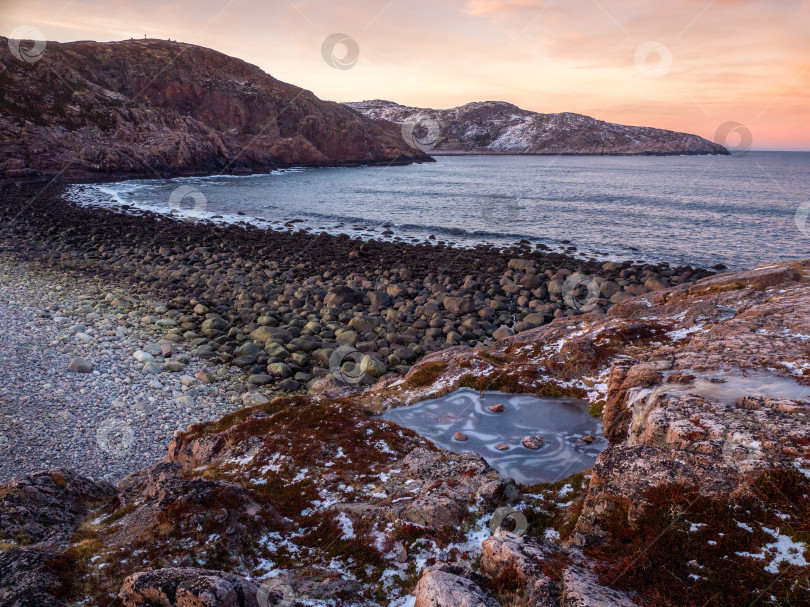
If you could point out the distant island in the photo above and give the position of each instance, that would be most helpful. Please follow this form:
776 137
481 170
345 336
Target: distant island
497 127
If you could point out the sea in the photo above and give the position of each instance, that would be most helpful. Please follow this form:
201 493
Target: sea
739 211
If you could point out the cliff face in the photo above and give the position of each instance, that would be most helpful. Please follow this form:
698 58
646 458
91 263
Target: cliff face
156 108
496 127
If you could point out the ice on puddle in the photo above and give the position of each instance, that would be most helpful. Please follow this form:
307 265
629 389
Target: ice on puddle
562 422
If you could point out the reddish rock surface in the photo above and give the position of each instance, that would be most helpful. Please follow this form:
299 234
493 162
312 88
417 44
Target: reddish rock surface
158 108
706 473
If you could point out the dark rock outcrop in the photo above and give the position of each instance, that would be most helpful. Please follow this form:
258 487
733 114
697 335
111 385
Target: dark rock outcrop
496 127
158 108
47 506
188 587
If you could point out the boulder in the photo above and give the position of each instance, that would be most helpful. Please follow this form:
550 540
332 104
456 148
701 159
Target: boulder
254 399
459 305
502 333
188 587
519 554
446 585
521 265
267 334
339 296
371 365
279 370
434 512
211 327
361 324
80 365
582 589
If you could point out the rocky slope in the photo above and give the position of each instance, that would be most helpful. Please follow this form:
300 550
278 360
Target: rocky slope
153 107
496 127
701 497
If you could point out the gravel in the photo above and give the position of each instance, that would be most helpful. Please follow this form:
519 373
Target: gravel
107 416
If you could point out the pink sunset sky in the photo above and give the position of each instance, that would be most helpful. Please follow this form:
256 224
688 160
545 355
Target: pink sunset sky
687 65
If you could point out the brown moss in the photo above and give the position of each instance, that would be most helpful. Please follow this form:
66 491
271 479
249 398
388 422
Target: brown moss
550 510
655 555
427 374
119 514
597 408
517 381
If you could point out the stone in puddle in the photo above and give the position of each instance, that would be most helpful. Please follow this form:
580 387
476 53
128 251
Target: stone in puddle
496 408
588 439
80 365
532 442
501 446
460 436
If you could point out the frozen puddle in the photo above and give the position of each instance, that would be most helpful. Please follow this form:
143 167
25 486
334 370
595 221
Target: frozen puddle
728 386
562 422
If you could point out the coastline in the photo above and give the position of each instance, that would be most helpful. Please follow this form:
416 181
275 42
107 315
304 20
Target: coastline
331 488
216 291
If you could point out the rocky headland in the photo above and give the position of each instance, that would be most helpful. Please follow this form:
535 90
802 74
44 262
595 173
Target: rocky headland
90 110
497 127
301 494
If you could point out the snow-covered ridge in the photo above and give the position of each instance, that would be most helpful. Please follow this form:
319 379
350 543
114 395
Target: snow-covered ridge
498 127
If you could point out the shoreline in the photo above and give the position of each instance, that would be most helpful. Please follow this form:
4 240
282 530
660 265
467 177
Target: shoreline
264 310
379 230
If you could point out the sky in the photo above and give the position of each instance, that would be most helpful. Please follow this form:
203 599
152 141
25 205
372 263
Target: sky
724 69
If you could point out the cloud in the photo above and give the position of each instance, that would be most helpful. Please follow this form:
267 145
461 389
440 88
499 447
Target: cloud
495 8
743 60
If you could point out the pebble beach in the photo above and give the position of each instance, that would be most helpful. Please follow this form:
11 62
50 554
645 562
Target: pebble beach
122 328
109 421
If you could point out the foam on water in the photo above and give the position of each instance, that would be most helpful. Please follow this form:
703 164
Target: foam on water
562 422
740 211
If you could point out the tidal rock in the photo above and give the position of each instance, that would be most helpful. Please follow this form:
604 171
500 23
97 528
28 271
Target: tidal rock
80 365
502 333
213 326
459 305
343 295
254 399
373 366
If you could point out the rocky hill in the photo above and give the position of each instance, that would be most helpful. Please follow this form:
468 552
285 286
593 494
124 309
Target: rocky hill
496 127
152 107
701 497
